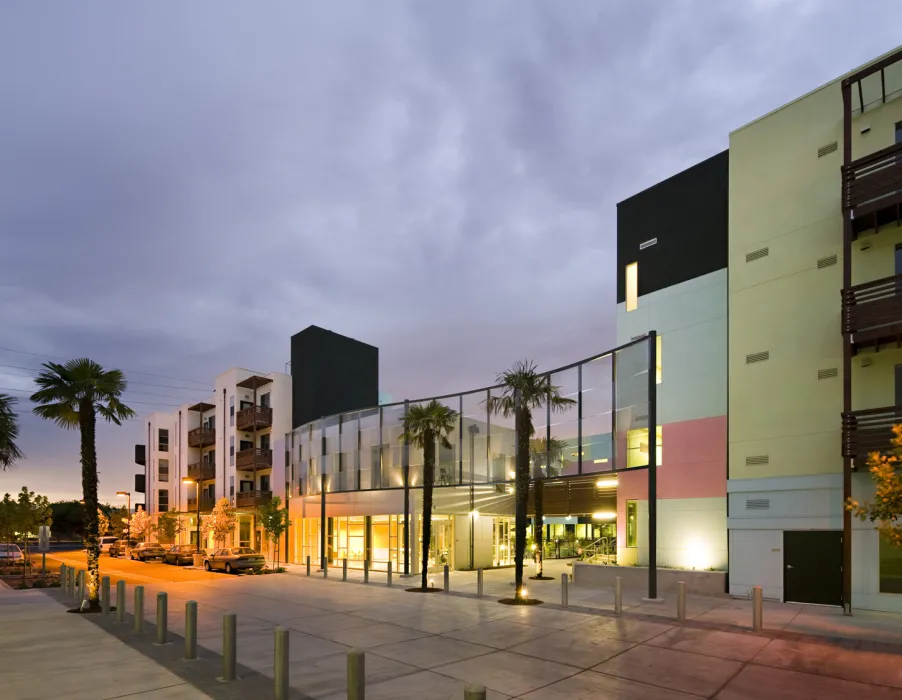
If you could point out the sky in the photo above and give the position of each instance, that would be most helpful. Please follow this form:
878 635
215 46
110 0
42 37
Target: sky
186 185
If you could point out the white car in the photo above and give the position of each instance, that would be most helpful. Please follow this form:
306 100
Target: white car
11 553
105 543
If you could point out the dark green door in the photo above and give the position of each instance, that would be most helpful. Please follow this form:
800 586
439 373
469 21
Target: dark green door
812 567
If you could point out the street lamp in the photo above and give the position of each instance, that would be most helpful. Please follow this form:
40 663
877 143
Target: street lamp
189 480
128 534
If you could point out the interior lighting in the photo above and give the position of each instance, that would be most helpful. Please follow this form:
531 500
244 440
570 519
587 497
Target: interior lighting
610 482
604 515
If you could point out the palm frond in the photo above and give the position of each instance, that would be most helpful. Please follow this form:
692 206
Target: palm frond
63 414
66 388
423 422
9 433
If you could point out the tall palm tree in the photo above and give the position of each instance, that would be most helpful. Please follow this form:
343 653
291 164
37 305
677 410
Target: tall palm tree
523 390
546 457
423 426
72 395
9 433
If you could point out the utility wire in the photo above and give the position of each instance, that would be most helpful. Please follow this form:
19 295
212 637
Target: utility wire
162 386
129 391
149 403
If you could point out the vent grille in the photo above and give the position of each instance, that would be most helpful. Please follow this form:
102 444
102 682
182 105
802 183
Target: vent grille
757 255
757 504
830 373
828 149
648 244
757 460
757 357
826 262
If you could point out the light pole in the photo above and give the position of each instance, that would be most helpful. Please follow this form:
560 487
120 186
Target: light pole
128 525
189 480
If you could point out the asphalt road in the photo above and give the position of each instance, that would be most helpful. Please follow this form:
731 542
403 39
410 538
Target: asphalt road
134 572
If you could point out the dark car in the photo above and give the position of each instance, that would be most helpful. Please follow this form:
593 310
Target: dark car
119 548
146 551
234 559
180 555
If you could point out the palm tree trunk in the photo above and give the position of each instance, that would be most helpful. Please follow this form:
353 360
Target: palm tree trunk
522 424
428 485
540 526
88 426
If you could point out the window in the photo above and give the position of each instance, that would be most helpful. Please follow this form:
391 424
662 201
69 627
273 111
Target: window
632 523
890 568
231 485
659 355
211 456
637 447
232 410
245 445
264 482
163 440
211 423
264 400
232 450
632 286
163 500
163 470
264 442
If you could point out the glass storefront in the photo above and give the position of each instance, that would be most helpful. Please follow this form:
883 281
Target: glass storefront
503 542
441 542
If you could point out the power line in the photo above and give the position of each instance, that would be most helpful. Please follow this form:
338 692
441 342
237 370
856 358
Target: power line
162 386
130 371
129 391
149 403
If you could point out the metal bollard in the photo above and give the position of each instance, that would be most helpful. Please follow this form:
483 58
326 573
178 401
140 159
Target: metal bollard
191 630
479 583
325 568
308 564
447 579
618 595
344 569
474 692
280 675
388 580
757 609
356 675
64 579
229 647
139 609
71 573
366 570
162 618
681 601
105 595
80 586
120 601
565 591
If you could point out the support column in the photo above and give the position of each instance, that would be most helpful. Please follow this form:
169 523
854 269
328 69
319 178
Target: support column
847 355
405 469
652 468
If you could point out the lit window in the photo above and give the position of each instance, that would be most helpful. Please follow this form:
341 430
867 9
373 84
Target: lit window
890 568
637 447
632 286
632 523
659 354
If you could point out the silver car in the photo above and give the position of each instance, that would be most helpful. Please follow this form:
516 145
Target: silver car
234 559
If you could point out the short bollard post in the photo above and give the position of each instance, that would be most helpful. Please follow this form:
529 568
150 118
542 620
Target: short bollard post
618 595
757 609
681 601
308 564
120 601
191 630
80 586
229 646
447 579
280 675
162 618
105 595
356 675
64 579
388 579
565 591
479 583
325 568
474 692
344 569
366 570
71 572
139 609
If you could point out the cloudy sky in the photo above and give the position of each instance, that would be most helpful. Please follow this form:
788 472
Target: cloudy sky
184 185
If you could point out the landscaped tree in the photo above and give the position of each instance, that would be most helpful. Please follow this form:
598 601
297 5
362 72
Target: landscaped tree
72 395
274 521
169 525
9 433
31 512
103 523
221 521
140 524
523 390
424 424
8 514
886 507
546 459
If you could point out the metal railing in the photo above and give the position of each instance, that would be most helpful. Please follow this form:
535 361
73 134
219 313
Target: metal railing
872 311
871 179
201 437
244 419
254 458
869 431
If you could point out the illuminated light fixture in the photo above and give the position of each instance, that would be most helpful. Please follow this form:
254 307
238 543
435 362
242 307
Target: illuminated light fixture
533 548
187 480
432 583
474 514
603 460
604 515
513 474
606 483
523 593
568 517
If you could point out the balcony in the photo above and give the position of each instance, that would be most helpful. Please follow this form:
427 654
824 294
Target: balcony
254 458
201 437
248 417
872 312
206 504
252 499
202 471
868 431
872 189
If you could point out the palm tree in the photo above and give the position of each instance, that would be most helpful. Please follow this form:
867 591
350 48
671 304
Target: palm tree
9 433
71 395
524 389
546 456
423 425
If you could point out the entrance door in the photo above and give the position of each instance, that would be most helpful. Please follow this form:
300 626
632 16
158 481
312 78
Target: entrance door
812 567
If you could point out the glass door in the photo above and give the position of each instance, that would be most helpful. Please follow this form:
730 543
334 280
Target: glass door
503 544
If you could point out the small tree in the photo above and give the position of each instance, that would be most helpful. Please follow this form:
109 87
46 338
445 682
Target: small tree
169 525
119 522
140 524
8 515
274 520
221 522
31 513
103 523
886 508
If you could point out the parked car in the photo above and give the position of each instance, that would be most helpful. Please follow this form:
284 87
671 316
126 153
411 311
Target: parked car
146 551
180 554
119 548
234 559
11 554
106 543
